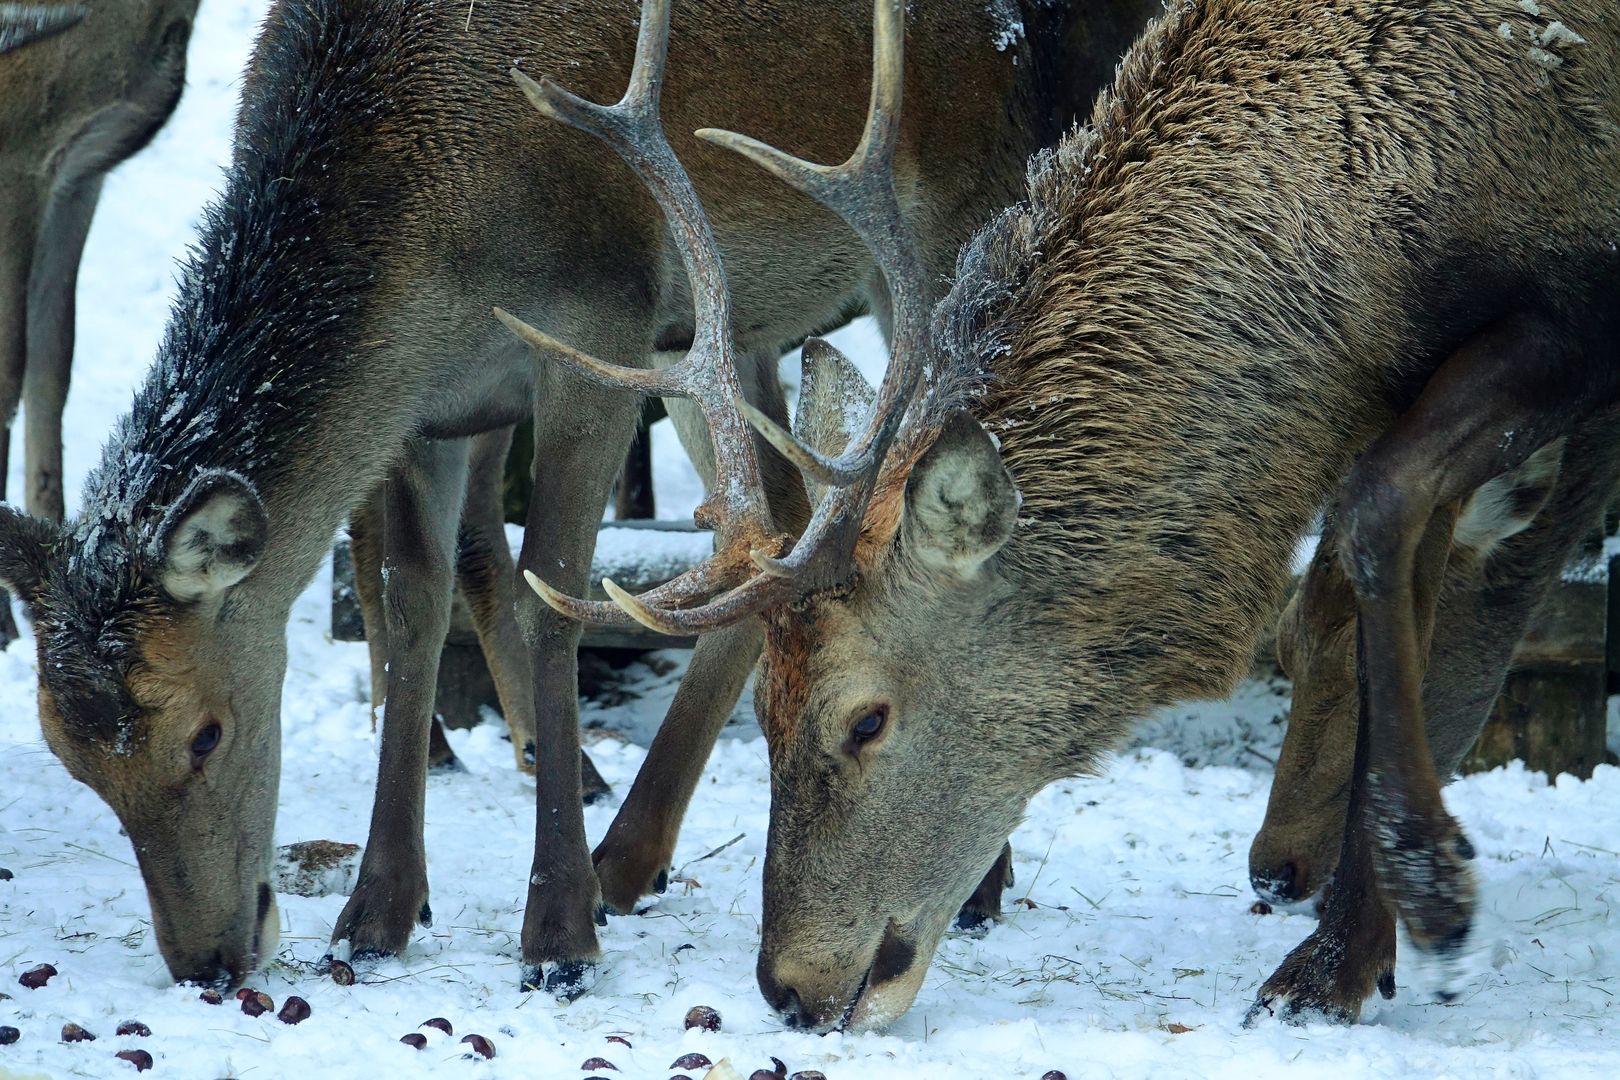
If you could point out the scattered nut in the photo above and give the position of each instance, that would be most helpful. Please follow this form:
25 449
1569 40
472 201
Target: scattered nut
415 1039
342 973
256 1003
701 1016
212 997
5 875
808 1074
138 1058
480 1045
1259 907
9 1035
36 977
74 1033
778 1073
621 1040
691 1061
597 1064
134 1027
438 1022
1054 1074
295 1010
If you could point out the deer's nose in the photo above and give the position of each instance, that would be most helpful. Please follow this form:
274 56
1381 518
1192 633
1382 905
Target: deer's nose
783 998
1282 884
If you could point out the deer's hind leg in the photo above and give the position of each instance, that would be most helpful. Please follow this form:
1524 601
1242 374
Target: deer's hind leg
19 226
486 576
421 510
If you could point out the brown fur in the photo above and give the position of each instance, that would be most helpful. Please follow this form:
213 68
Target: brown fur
1286 216
390 185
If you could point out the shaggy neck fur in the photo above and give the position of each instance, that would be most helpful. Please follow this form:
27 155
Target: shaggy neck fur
1159 337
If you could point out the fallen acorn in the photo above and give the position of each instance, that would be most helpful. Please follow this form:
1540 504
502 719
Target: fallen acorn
295 1010
808 1074
5 875
1054 1074
597 1064
621 1040
72 1032
438 1022
134 1027
212 997
480 1045
342 973
701 1016
138 1058
691 1061
778 1073
8 1035
256 1003
1259 907
36 977
415 1039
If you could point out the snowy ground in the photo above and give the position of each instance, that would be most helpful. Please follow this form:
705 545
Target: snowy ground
1135 956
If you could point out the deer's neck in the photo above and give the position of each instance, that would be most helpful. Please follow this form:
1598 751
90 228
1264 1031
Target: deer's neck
275 363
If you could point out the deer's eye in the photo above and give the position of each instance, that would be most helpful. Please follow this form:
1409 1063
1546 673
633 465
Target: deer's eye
870 726
203 743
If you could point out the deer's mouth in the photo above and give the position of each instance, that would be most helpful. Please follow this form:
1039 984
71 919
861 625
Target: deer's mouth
895 960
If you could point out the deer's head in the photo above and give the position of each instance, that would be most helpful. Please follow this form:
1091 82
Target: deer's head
162 691
903 747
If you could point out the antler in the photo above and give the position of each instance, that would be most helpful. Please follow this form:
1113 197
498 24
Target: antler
861 191
24 24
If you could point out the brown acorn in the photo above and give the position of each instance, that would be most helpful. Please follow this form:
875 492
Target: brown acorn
36 977
691 1061
621 1040
415 1039
295 1010
256 1003
211 997
74 1033
1054 1074
1259 907
134 1027
480 1045
701 1016
9 1035
597 1064
438 1022
342 973
808 1074
138 1058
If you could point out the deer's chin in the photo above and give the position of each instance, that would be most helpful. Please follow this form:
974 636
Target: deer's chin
875 1007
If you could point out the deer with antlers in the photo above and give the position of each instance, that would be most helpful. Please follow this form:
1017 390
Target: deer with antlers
1359 254
333 333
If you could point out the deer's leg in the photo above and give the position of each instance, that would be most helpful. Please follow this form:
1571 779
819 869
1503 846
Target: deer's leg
984 906
52 288
581 431
634 857
366 532
1352 949
421 509
1507 394
486 575
19 225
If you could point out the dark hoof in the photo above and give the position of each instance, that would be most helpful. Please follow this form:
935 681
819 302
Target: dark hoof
661 882
972 922
602 914
448 764
369 954
566 981
425 916
528 754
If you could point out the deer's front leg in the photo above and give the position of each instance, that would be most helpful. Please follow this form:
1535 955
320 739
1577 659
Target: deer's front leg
420 511
581 431
1352 949
19 223
1511 391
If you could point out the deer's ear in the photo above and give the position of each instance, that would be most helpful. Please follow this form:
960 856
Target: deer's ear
960 502
212 536
25 552
834 401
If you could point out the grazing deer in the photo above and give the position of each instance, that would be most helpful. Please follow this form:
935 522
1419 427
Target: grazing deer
72 106
333 333
1363 250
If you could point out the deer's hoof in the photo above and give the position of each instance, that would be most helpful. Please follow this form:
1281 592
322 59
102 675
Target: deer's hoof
593 789
565 981
1324 980
627 874
379 917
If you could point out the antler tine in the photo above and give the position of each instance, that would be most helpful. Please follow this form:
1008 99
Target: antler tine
632 128
861 191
